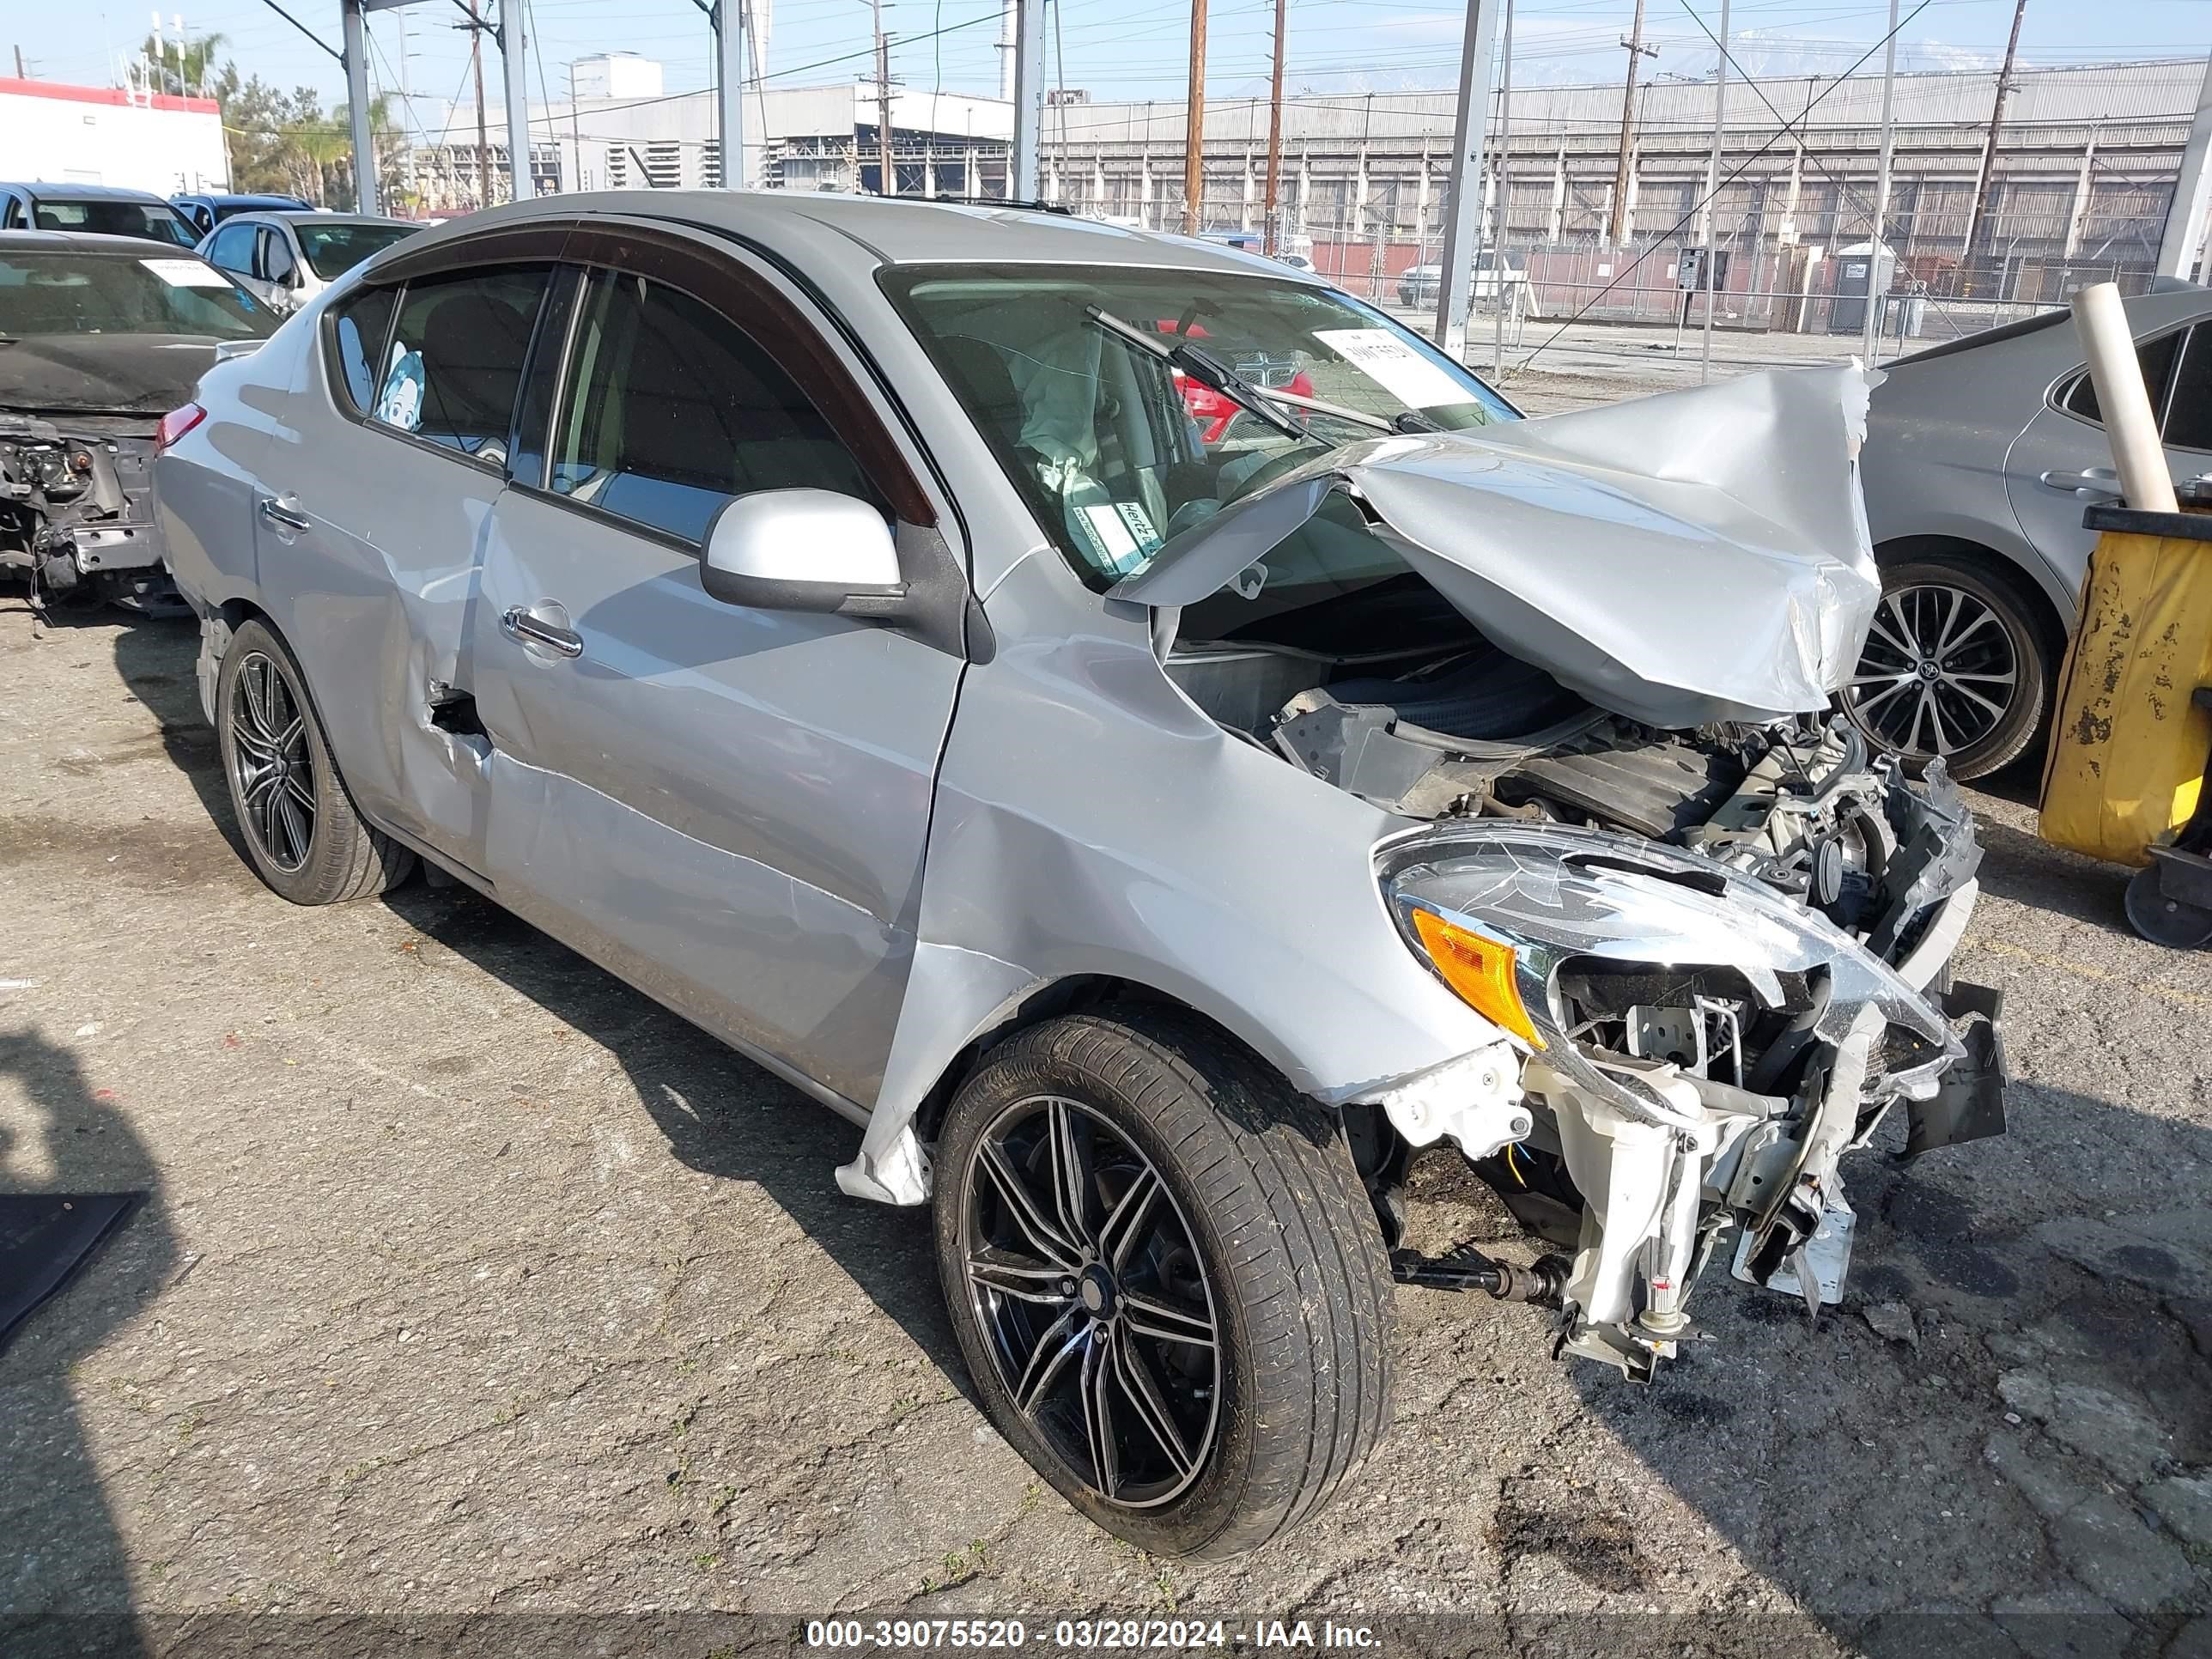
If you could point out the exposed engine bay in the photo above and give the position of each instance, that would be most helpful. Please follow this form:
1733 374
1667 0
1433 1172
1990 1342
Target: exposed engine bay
1731 944
76 509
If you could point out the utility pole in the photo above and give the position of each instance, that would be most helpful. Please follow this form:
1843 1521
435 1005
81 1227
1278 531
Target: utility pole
483 132
1275 125
1986 183
23 74
1706 261
1194 127
1617 232
1871 340
889 182
1499 295
2184 216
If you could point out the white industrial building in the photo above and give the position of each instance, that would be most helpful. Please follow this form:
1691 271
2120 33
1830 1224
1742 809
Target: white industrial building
108 136
621 131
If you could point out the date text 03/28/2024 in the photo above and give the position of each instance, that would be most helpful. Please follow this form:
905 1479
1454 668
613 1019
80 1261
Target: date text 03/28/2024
1126 1635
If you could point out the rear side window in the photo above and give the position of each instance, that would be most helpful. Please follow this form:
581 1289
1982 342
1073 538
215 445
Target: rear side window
232 248
359 327
2189 410
2156 357
453 365
672 410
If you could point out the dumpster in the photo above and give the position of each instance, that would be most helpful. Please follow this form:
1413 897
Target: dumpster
2132 734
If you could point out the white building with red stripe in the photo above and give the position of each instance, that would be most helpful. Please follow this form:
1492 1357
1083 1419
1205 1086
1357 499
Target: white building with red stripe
105 136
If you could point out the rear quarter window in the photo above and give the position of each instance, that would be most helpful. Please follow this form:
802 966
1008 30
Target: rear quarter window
358 329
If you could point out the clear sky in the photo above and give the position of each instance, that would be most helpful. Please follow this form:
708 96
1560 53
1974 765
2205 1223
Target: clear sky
1121 48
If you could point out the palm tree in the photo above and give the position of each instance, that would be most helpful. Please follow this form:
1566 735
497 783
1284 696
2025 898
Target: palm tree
186 70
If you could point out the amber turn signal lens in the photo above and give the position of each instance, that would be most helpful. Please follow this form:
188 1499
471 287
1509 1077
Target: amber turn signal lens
1480 969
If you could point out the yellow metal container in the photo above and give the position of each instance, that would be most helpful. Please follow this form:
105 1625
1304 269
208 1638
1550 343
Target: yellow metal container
2128 743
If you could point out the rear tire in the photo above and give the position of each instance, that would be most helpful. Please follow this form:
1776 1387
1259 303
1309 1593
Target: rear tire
301 833
1256 1229
1989 689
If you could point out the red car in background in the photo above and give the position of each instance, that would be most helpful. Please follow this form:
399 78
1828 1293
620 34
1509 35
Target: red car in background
1215 412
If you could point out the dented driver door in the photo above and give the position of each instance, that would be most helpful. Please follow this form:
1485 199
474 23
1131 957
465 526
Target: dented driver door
727 805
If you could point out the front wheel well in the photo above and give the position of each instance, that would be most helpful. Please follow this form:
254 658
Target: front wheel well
1096 994
1992 566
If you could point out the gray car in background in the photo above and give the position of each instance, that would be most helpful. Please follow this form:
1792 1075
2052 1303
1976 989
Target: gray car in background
286 258
1980 456
825 614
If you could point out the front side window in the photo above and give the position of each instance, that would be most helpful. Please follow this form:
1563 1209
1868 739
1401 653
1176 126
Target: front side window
2189 407
671 409
453 363
1116 452
165 293
154 220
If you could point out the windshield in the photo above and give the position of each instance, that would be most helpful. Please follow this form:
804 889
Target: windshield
152 221
333 250
1117 451
114 294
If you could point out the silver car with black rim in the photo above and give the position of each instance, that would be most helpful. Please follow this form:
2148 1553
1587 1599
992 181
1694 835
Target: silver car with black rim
1981 454
827 614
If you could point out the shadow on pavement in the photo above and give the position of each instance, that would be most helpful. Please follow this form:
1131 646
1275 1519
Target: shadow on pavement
709 1101
64 1579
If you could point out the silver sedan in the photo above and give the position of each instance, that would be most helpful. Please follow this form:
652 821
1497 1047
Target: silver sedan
827 614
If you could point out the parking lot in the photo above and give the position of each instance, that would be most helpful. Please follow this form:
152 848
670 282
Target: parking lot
473 1282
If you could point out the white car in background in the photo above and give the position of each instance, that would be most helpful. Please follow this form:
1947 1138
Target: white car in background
286 258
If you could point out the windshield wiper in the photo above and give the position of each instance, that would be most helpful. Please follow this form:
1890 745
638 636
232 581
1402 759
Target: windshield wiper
1209 371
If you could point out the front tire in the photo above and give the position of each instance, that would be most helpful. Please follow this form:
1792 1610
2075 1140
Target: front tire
1167 1281
1956 666
301 833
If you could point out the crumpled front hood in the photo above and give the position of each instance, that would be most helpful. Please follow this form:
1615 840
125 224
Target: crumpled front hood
1693 556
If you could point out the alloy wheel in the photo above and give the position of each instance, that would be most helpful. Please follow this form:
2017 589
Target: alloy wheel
1092 1300
271 768
1939 674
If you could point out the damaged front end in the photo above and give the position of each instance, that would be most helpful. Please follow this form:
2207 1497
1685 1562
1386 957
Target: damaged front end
1703 1049
76 512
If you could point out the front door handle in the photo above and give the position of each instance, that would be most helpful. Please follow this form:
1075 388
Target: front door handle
2097 481
285 518
518 623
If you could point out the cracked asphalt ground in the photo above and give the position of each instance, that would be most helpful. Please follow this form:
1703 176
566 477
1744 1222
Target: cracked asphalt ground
472 1282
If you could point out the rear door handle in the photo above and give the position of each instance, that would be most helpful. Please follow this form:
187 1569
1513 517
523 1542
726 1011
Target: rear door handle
285 518
518 623
2097 481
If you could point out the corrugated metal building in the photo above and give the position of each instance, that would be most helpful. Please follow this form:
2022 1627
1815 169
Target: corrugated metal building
2085 168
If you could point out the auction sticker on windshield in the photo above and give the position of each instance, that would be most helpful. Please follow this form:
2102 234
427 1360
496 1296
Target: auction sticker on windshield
187 273
1396 367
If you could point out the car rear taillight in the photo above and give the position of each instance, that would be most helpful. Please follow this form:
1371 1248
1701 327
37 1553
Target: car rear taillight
176 423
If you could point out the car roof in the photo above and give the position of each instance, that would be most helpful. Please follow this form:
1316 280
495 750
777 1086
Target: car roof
223 198
905 231
62 192
78 241
313 217
2146 312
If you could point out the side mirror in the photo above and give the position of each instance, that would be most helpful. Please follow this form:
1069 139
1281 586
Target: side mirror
803 550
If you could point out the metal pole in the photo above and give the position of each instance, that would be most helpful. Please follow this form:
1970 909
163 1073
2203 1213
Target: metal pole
1273 243
1463 193
1712 188
1504 200
1193 128
730 89
1616 231
1985 181
483 134
1028 92
520 187
887 175
365 193
1872 341
2185 218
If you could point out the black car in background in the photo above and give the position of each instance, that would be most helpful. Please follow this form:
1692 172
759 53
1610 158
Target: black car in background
95 211
205 212
99 337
